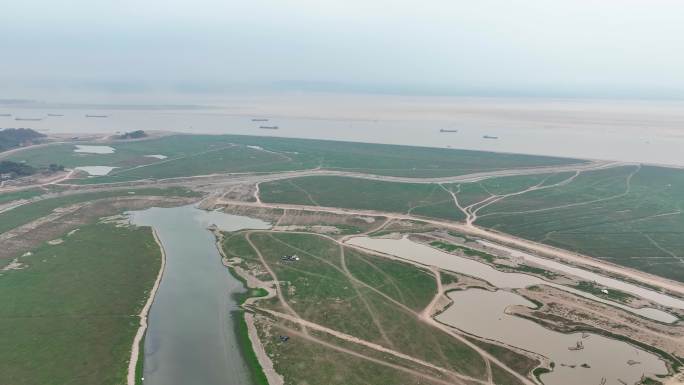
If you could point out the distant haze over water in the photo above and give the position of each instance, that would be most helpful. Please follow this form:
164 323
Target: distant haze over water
630 131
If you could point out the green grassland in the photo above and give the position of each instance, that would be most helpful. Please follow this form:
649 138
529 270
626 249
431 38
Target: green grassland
206 154
25 194
321 364
70 315
428 200
368 297
640 226
27 213
471 193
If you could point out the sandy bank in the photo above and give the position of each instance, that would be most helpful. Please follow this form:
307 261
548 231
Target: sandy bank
135 349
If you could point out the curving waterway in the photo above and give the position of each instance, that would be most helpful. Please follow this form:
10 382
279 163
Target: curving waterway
190 337
427 255
627 287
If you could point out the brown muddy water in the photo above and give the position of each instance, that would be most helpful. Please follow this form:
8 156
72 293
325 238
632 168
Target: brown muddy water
632 133
602 357
190 338
481 312
427 255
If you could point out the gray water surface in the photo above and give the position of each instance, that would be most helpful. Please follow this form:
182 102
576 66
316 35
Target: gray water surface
482 313
652 136
603 358
407 249
190 337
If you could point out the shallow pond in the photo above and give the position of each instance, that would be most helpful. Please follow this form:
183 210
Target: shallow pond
96 170
427 255
190 338
94 149
602 357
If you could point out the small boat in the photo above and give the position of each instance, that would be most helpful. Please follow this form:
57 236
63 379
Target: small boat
55 115
490 137
269 127
447 130
259 120
96 116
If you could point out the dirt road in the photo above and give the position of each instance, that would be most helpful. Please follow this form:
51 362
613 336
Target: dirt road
501 238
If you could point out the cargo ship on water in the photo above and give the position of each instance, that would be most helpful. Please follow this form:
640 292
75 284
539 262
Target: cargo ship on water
96 116
259 120
55 115
447 130
29 119
490 137
269 127
5 115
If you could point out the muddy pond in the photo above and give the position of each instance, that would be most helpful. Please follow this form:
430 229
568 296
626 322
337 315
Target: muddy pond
482 313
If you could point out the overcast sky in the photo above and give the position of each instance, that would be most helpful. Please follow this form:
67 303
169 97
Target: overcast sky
624 48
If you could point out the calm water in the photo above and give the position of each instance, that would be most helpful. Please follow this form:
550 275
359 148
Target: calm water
427 255
533 136
605 357
610 359
190 338
654 296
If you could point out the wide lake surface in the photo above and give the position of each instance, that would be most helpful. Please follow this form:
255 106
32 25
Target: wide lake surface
190 338
638 134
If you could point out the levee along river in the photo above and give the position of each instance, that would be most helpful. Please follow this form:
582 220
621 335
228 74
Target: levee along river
190 338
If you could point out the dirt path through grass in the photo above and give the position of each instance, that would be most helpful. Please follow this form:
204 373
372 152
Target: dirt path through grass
486 356
540 249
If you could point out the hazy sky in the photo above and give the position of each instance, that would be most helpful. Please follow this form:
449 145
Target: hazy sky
528 47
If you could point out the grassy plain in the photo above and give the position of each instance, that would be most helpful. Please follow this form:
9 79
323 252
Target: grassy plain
639 224
428 200
368 297
632 215
25 194
205 154
27 213
69 316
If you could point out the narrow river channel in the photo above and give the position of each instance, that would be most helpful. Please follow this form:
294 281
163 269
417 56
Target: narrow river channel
190 338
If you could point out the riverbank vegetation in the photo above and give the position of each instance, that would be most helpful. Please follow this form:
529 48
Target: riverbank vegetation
70 309
29 212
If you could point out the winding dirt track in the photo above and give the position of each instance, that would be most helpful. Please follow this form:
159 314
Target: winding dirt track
504 239
423 316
